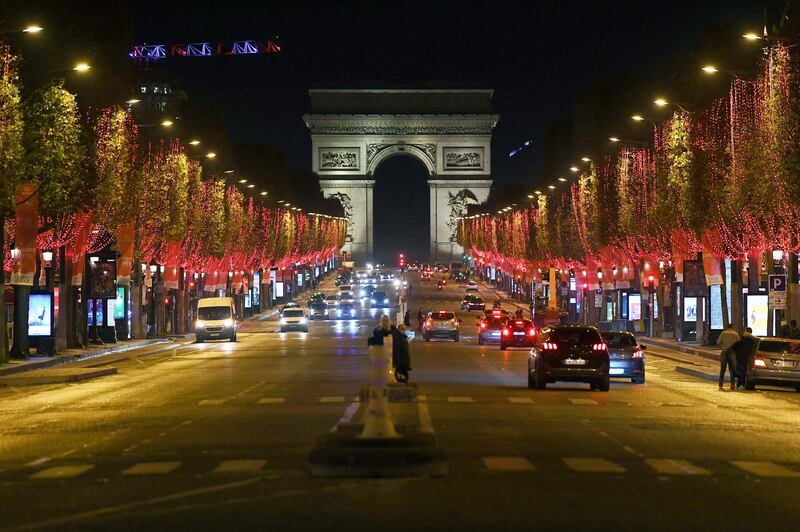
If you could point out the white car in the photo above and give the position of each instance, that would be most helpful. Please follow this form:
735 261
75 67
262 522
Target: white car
294 319
472 286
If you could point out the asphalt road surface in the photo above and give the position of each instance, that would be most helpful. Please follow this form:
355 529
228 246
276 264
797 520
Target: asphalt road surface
216 436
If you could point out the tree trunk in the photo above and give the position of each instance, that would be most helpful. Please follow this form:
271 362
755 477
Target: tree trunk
20 349
3 309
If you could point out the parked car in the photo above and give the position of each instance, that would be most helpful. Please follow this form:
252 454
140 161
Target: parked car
626 356
573 353
776 362
216 319
517 333
294 319
441 324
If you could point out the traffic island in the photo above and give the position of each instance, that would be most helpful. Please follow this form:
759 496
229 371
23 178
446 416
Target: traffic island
346 454
396 393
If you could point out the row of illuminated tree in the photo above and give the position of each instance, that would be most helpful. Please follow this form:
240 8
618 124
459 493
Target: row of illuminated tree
724 180
96 179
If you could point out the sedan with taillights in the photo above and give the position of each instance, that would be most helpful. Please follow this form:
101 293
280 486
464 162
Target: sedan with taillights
472 302
776 363
517 333
441 324
573 353
626 356
490 328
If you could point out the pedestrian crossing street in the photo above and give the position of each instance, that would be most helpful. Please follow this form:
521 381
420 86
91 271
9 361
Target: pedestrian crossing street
661 467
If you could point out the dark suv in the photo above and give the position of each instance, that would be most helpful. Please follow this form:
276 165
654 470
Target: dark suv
575 353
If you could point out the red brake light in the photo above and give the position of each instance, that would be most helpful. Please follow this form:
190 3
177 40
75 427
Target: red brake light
759 363
506 332
638 354
531 332
518 322
549 346
599 347
483 325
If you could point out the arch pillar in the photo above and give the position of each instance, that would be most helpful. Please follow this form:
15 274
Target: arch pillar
355 196
449 200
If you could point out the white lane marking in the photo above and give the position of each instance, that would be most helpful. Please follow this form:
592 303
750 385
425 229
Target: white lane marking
507 463
152 468
250 389
66 471
211 402
766 469
240 466
333 399
349 412
271 400
425 422
670 466
593 465
460 399
583 401
38 461
520 400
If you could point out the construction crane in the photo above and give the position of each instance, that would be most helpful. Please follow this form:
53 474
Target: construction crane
155 52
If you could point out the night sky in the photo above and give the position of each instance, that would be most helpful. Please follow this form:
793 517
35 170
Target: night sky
538 56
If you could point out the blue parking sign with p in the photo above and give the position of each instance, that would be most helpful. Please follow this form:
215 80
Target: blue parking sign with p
777 283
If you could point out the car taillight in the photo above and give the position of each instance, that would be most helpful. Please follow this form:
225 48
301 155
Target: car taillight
429 322
531 332
506 332
638 354
760 363
549 346
483 325
599 347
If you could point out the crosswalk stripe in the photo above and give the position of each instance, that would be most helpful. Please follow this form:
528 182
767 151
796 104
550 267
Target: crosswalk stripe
593 465
271 400
334 399
460 399
521 400
65 471
766 469
507 463
583 401
669 466
152 468
240 466
211 402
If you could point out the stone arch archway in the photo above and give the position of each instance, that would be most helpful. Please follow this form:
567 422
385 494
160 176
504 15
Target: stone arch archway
449 131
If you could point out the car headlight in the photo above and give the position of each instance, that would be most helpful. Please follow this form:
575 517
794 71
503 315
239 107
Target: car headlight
352 312
338 312
283 321
363 293
385 299
302 321
200 324
372 301
227 323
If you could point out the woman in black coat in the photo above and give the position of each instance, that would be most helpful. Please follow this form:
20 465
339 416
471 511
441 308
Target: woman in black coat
401 353
380 332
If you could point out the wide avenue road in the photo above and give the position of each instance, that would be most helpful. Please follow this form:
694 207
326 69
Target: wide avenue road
216 435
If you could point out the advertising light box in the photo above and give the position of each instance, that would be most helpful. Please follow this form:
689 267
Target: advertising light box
40 315
689 309
757 312
716 308
635 307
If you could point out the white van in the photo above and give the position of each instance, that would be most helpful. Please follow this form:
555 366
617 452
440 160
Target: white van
216 319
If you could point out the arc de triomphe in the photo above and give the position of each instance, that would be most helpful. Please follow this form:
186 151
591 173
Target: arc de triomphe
353 131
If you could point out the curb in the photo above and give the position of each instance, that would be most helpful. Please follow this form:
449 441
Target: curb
60 360
56 376
697 373
681 348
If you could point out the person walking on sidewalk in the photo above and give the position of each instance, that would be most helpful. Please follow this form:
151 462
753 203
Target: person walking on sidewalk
745 349
727 359
420 318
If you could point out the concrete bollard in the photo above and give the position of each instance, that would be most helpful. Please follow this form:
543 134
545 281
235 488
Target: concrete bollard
377 417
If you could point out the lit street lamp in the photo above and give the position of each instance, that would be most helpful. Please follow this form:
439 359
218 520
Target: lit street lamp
81 67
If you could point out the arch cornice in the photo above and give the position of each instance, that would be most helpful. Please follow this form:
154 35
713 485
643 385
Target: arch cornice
425 153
